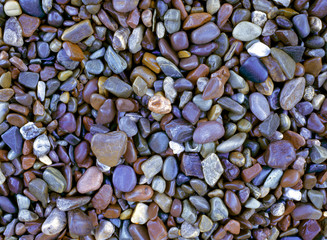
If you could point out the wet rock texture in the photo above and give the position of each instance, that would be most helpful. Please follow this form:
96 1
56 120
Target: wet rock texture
163 119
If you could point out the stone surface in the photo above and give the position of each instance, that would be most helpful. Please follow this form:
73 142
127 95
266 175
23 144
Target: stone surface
79 223
168 68
280 154
39 189
106 149
208 132
292 93
115 62
78 32
259 106
286 63
13 139
218 209
212 169
118 87
124 178
33 7
54 223
254 70
91 180
55 180
152 166
246 31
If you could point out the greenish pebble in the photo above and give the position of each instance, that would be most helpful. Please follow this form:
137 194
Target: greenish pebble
55 180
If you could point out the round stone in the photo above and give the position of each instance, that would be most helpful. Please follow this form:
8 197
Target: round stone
124 178
246 31
259 106
158 142
208 132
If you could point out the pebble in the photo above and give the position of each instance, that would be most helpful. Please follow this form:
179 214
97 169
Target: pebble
259 49
12 9
232 202
214 89
12 34
118 87
270 125
277 209
290 178
79 223
200 203
209 131
124 178
27 216
94 66
54 223
292 93
189 213
140 214
316 197
39 189
7 206
280 154
309 229
318 154
301 25
135 39
159 104
32 7
115 62
91 180
41 145
189 230
70 203
286 63
109 153
232 143
13 139
191 165
254 70
179 130
152 166
158 142
55 180
105 230
78 32
306 211
212 6
168 68
212 169
125 5
205 34
218 210
172 20
246 31
157 229
259 106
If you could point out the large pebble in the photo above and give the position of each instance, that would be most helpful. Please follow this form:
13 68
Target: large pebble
79 223
280 154
109 147
218 210
292 93
152 166
286 63
78 32
125 5
205 33
172 20
259 106
13 33
115 62
54 223
232 143
39 189
56 181
91 180
212 169
32 7
124 178
246 31
209 131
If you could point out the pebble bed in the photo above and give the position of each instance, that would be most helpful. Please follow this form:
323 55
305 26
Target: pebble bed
163 119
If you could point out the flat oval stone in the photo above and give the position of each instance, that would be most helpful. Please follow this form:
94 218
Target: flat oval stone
286 63
170 168
232 202
179 130
103 197
32 7
39 189
125 6
118 87
205 33
124 178
140 193
292 93
91 180
232 143
280 154
158 142
106 148
254 70
70 203
290 178
259 106
209 131
246 31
